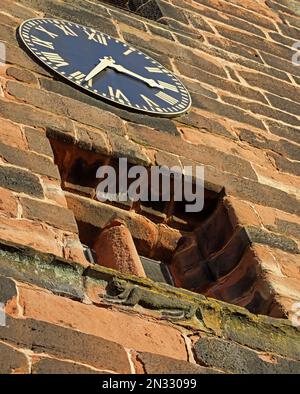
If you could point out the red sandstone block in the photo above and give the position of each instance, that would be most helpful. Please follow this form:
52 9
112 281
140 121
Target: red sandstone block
167 242
129 330
241 212
235 113
7 34
254 286
11 134
34 234
160 31
279 221
285 266
209 123
8 203
280 64
115 249
73 249
269 142
94 290
270 262
121 147
99 214
256 192
53 191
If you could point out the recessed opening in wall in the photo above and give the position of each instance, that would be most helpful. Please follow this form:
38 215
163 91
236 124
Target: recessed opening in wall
150 9
206 252
78 170
78 174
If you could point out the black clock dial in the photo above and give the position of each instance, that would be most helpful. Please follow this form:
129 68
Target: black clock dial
105 66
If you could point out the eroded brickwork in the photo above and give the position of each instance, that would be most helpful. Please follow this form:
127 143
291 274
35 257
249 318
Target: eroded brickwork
236 60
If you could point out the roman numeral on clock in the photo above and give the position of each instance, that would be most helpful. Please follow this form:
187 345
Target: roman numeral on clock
78 77
55 58
42 43
165 97
41 28
66 29
154 70
97 37
168 86
129 51
151 103
118 94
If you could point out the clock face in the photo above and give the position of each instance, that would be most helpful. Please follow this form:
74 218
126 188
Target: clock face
105 66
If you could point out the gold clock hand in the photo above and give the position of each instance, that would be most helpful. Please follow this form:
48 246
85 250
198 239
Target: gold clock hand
104 63
124 70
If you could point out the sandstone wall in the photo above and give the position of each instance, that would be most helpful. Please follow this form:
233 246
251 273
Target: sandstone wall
236 60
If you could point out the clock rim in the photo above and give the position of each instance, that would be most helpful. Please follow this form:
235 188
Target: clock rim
99 96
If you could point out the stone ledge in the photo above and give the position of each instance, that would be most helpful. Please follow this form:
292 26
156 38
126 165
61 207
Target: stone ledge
201 314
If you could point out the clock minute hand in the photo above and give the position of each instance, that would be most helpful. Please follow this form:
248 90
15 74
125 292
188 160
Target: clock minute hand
124 70
104 63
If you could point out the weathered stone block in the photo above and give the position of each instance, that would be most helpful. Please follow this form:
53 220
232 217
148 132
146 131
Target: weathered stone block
38 141
36 163
50 366
49 213
155 364
12 361
48 338
22 75
232 357
20 180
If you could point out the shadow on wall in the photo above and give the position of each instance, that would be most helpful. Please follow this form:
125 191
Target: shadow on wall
150 9
207 252
217 260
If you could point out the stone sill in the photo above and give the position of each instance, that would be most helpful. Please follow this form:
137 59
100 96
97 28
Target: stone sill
199 313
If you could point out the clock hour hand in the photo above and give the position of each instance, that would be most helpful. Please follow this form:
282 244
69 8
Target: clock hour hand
104 63
124 70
